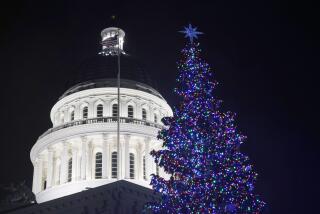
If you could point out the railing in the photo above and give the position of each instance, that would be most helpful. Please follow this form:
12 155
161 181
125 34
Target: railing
102 120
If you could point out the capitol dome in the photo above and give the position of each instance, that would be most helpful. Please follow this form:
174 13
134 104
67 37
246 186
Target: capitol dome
83 149
105 67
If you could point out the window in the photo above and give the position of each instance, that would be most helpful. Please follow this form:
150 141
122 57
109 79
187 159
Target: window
45 184
85 113
157 169
131 165
114 165
155 118
130 111
72 115
115 110
144 168
70 169
100 110
144 114
98 173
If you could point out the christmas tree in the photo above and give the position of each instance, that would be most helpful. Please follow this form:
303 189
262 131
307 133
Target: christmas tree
201 151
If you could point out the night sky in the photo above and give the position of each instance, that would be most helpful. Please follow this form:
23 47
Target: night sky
264 54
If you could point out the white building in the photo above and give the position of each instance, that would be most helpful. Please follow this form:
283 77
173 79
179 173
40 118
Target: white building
80 150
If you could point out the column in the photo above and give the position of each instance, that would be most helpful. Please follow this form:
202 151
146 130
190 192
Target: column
66 115
39 175
123 107
84 140
126 157
50 168
139 163
108 107
91 109
35 175
138 110
162 173
153 163
123 158
105 155
74 163
57 171
110 144
119 157
77 113
148 158
64 163
151 113
78 170
88 160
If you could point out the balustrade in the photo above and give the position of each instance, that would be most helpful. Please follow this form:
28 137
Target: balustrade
102 120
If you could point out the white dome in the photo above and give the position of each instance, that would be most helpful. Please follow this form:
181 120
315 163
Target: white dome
80 150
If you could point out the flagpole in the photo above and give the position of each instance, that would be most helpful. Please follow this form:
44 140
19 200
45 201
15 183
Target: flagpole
118 110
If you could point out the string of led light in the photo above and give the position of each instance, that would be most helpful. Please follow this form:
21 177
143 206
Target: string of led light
201 149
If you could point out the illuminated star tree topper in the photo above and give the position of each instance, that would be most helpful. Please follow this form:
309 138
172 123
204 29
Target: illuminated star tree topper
191 32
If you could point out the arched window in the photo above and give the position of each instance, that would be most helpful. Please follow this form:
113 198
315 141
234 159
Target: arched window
130 111
155 118
70 169
98 173
131 165
144 168
144 114
115 110
100 110
114 165
72 115
85 112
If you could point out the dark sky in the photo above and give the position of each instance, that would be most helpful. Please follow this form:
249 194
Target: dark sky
264 53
